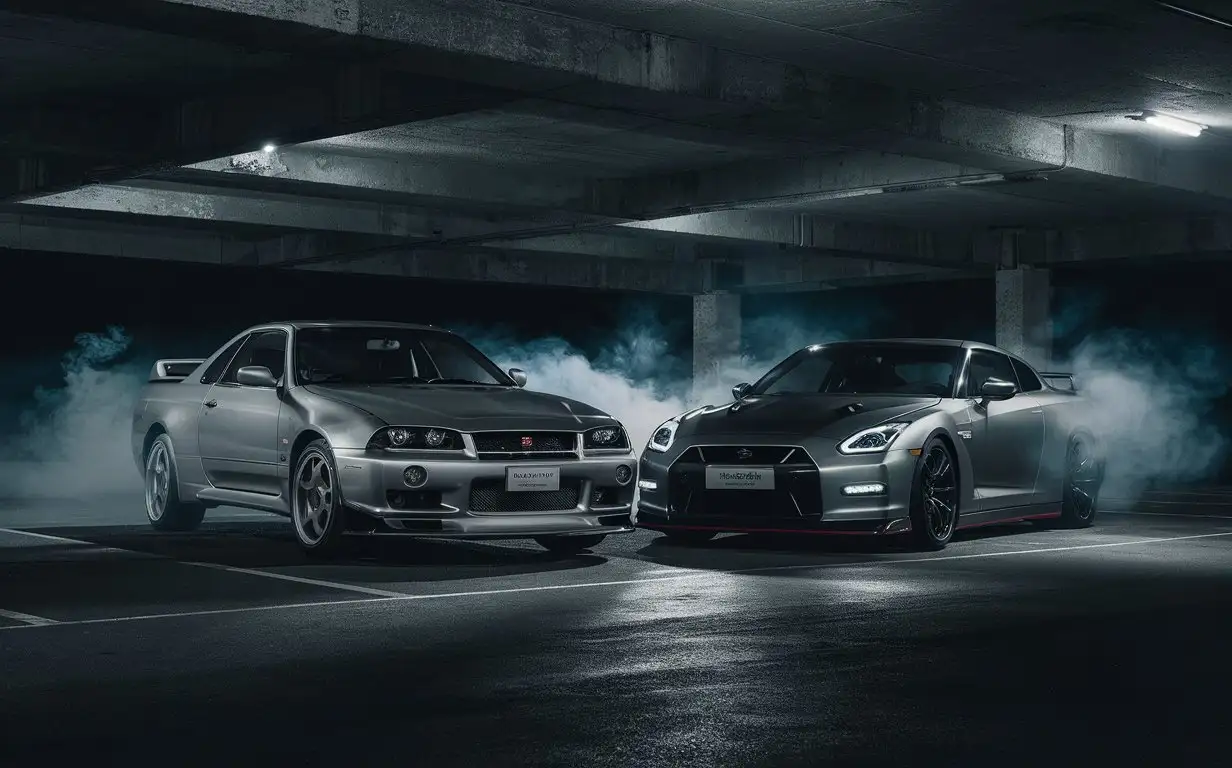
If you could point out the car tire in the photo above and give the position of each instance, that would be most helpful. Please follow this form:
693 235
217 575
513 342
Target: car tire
689 538
569 545
317 513
164 507
1084 475
934 497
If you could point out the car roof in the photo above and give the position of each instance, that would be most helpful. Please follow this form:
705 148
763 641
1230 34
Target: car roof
298 324
958 343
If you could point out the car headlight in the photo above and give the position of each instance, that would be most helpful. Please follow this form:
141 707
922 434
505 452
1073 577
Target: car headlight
415 439
605 439
873 440
663 436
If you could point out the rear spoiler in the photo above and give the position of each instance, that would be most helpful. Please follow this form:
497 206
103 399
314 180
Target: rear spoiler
173 370
1062 381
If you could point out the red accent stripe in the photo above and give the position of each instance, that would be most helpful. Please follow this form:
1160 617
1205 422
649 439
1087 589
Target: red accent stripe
753 530
1024 518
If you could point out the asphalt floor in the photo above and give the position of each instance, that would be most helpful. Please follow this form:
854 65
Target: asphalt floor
1016 645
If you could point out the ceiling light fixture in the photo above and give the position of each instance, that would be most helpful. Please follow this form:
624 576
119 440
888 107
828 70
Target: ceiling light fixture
1170 123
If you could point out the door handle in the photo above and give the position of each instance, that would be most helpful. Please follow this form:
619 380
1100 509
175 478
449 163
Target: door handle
211 403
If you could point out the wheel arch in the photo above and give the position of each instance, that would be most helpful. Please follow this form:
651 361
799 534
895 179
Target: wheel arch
306 436
151 434
962 465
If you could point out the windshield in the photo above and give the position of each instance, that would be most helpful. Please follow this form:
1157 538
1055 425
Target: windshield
376 355
898 369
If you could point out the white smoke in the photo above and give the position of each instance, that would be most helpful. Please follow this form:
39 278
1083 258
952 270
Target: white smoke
1149 403
74 441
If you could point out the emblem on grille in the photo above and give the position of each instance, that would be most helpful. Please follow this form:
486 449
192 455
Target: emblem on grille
528 442
744 453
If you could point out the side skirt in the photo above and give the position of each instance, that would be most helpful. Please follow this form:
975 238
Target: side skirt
1009 515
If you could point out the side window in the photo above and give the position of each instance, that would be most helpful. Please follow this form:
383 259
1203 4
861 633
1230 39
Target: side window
987 365
265 348
1027 380
216 368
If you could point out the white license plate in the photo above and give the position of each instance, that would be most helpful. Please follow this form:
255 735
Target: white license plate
740 478
532 479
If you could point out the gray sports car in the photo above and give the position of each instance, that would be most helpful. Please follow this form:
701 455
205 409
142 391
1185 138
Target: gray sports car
877 437
378 428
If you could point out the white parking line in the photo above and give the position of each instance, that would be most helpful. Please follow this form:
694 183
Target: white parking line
45 537
400 597
25 618
301 580
1169 514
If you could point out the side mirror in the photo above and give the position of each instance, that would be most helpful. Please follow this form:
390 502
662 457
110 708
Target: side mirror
518 375
998 389
741 390
255 376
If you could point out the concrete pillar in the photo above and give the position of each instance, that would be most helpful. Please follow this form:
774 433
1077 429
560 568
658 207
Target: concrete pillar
716 335
1024 320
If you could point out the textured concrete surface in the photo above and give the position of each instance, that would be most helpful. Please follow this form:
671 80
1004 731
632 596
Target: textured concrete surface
1016 646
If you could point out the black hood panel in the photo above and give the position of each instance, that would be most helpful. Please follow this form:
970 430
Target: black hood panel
831 416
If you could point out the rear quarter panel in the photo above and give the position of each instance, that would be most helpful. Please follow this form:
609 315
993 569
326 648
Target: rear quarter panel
1064 414
172 407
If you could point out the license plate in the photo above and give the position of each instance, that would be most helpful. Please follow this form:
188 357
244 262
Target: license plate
740 478
532 479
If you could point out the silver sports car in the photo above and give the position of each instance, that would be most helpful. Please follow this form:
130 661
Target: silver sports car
877 437
378 428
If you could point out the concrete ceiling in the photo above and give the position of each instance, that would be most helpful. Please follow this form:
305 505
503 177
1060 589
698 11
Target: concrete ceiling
634 144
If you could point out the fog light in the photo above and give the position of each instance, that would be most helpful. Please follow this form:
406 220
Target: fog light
648 485
864 489
624 473
415 476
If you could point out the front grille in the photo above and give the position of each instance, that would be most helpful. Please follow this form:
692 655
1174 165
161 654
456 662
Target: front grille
512 445
797 484
491 496
758 455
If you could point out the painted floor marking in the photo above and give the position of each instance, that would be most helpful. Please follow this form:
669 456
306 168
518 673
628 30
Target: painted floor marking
400 597
301 580
26 619
1169 514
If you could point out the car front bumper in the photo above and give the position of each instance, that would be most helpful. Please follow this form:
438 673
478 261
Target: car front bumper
467 497
813 491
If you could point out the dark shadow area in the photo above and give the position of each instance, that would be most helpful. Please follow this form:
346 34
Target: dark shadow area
272 545
933 684
819 549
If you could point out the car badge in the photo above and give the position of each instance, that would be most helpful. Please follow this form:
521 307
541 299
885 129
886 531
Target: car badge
744 453
528 442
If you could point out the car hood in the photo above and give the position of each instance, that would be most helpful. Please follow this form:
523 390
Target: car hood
466 408
829 416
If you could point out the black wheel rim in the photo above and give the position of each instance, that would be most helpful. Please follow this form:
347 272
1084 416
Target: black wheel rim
1082 479
939 492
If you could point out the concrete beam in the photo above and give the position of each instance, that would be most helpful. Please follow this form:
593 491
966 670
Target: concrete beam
806 272
786 230
1138 239
443 183
186 202
788 183
487 41
32 233
112 137
613 274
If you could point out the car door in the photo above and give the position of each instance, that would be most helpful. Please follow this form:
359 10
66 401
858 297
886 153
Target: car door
1006 436
238 426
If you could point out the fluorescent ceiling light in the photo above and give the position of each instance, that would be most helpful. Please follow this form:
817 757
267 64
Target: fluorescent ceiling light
1175 124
